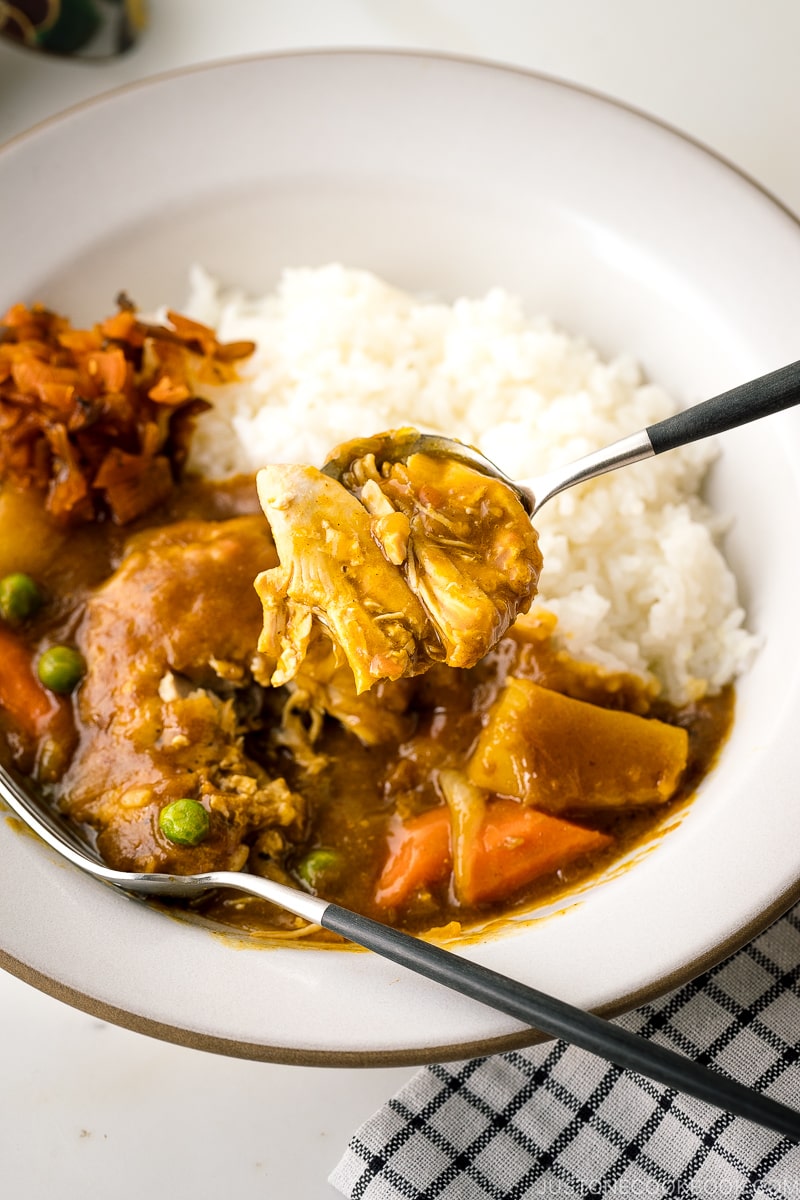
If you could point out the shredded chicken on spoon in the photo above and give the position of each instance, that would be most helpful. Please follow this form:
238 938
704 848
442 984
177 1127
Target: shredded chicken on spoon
401 565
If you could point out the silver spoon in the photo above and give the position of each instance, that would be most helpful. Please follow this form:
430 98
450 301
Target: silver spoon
759 398
534 1008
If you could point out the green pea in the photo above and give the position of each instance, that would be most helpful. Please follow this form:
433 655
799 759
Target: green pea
61 668
184 822
19 597
318 866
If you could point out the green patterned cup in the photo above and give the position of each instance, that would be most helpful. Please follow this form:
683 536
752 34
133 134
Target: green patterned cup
74 28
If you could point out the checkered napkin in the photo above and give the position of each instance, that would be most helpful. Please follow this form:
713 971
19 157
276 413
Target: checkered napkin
553 1121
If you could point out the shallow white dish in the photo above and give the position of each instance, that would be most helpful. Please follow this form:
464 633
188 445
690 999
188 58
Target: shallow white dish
443 176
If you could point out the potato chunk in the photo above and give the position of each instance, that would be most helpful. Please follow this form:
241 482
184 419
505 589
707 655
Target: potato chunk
560 754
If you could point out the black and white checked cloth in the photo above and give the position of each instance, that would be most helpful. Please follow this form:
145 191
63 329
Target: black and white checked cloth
555 1122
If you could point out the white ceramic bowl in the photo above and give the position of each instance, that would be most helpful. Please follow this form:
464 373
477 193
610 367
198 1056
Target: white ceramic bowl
443 176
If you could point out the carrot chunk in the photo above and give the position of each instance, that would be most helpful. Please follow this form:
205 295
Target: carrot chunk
29 704
519 844
514 846
419 856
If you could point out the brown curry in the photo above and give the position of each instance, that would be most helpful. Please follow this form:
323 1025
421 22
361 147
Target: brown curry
167 620
381 756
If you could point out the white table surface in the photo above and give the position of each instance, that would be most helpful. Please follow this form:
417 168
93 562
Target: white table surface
88 1109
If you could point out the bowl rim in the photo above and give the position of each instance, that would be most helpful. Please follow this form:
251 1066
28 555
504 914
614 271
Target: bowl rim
256 1051
467 60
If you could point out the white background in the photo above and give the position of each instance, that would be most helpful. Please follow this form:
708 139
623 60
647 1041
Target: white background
87 1109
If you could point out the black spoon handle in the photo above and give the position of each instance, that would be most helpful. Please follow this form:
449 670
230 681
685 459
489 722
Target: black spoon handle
759 398
562 1020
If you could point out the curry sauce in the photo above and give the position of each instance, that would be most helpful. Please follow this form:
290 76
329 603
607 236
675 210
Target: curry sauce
368 800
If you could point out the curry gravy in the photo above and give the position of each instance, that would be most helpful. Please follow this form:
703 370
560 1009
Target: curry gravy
353 796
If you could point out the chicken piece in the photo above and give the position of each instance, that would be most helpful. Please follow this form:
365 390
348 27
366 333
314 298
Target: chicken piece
401 566
325 685
170 641
334 581
462 539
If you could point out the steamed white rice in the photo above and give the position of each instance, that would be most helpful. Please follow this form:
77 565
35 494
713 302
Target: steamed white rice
633 568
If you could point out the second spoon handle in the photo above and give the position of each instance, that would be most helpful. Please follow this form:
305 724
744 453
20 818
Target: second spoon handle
758 398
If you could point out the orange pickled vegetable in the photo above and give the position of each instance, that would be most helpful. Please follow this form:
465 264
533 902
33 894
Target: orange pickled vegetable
79 407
